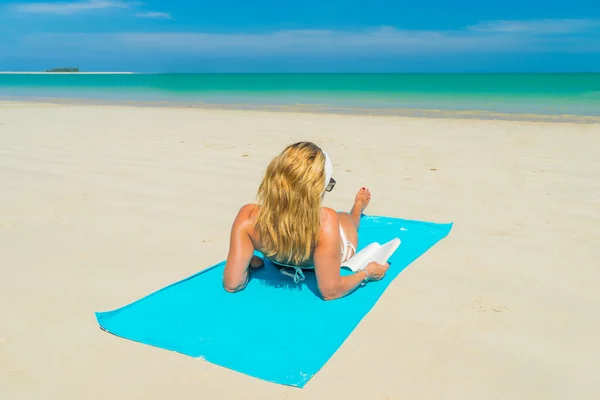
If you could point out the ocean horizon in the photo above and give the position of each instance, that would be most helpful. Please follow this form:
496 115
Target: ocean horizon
550 94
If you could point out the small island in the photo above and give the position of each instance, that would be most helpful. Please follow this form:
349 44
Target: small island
63 70
57 71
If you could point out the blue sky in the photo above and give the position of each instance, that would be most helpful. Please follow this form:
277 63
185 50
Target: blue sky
302 36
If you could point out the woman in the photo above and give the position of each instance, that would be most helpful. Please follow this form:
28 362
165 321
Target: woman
291 229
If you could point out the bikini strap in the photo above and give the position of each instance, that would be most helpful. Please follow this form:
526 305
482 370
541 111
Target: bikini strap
298 276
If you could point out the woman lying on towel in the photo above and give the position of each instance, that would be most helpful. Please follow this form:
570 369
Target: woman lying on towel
291 229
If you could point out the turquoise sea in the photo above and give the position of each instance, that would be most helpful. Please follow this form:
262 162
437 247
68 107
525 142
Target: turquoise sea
541 94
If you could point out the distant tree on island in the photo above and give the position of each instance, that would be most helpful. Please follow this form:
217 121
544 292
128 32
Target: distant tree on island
63 70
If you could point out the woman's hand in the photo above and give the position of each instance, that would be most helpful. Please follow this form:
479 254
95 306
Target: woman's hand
256 262
376 271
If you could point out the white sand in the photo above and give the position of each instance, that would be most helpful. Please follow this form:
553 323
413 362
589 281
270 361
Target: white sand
102 205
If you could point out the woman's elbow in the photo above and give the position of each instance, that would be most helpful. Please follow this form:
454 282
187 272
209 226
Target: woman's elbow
232 286
329 294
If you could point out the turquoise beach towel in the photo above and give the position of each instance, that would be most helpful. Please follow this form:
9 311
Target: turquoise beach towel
274 330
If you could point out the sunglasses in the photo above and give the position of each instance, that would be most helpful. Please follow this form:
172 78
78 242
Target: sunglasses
330 185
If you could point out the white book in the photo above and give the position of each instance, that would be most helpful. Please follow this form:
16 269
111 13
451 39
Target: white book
380 253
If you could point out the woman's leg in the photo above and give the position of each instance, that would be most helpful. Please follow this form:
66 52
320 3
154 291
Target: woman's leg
350 222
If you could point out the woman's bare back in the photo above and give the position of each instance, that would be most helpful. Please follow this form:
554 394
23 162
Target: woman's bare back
326 257
348 222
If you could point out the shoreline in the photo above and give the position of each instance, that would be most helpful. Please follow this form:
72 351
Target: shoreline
317 109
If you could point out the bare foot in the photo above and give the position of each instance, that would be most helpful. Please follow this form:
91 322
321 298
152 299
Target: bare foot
361 201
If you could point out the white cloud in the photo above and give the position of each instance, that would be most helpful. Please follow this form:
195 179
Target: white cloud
154 15
382 39
66 8
540 26
499 37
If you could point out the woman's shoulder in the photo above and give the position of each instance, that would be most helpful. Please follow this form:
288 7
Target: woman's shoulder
245 219
249 208
329 220
248 212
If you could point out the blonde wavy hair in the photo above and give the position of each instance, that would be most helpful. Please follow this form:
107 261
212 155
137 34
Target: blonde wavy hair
290 196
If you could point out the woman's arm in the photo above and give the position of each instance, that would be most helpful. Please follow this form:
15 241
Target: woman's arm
241 250
327 259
